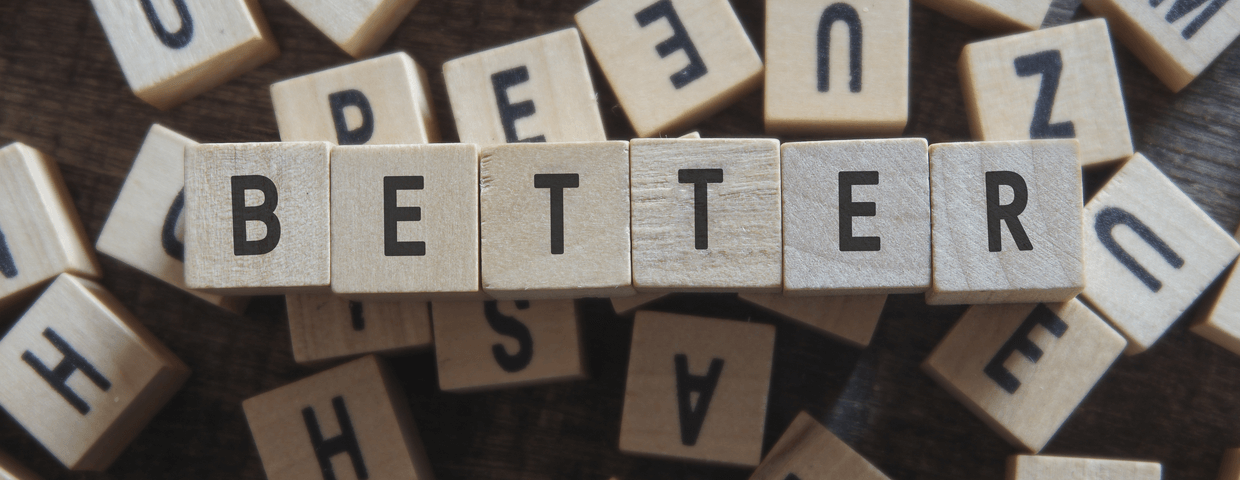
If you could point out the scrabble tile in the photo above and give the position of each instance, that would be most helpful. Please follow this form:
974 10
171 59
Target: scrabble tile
994 15
1174 39
675 63
379 101
170 51
146 228
850 318
555 220
358 27
1156 250
327 327
419 240
697 389
808 451
856 206
41 235
352 421
535 90
1230 469
706 215
837 68
82 375
11 470
1023 368
258 218
1037 467
1055 83
1006 222
505 344
626 305
1221 323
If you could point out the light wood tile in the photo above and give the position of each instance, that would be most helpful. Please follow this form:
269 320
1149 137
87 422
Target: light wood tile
808 451
327 327
850 318
1031 467
359 27
506 344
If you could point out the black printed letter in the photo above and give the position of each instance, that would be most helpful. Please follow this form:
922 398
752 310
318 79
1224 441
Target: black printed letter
699 177
1183 7
1009 213
850 209
1104 225
355 311
345 443
509 113
168 235
1048 64
392 246
557 182
678 41
262 213
1019 342
8 267
510 327
172 40
692 416
352 98
59 376
839 12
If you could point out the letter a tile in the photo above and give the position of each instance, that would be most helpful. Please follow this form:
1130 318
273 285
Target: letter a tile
1023 368
697 389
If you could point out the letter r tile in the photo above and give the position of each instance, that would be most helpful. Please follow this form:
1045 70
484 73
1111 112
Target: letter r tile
1023 368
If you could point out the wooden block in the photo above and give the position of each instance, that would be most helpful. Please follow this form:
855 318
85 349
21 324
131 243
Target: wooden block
82 375
327 327
849 318
837 68
1230 469
11 470
856 206
1221 323
1038 467
506 344
352 421
358 27
1174 39
675 62
378 101
1023 368
1006 222
1055 83
170 51
535 90
808 451
1164 256
146 228
697 388
41 235
626 305
994 15
418 240
706 215
555 220
258 217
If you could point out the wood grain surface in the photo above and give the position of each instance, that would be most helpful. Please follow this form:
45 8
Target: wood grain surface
62 92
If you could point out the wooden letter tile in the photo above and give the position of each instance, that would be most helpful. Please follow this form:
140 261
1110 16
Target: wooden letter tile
82 375
849 318
706 215
671 63
378 101
1037 467
1175 39
504 344
1023 368
697 388
358 27
535 90
1006 221
1221 324
1152 251
146 228
994 15
406 221
258 217
11 470
837 68
326 327
41 235
856 206
1055 83
808 451
352 421
172 50
555 220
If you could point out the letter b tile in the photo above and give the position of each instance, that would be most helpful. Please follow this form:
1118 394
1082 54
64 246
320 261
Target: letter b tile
1023 368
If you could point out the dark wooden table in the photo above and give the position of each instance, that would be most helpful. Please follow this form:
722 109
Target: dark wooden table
62 92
